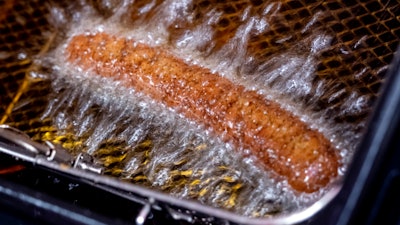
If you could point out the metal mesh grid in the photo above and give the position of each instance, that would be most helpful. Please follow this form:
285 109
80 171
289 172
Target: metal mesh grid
366 33
22 29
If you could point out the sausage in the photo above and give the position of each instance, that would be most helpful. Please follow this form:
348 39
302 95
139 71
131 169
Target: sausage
5 8
279 140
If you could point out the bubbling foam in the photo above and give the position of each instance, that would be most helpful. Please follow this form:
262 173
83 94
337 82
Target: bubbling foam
183 154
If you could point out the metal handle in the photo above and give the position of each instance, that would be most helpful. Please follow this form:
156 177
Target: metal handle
144 212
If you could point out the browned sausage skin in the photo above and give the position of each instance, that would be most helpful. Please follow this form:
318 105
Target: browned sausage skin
280 141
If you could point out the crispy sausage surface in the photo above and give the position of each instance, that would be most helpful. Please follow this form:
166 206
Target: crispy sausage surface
280 140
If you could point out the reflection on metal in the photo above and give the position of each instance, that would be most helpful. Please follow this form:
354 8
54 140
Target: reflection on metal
85 161
14 142
144 212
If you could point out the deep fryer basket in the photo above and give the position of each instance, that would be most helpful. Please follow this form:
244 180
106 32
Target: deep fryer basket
368 195
371 166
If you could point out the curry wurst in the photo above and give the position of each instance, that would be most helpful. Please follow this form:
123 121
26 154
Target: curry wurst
279 140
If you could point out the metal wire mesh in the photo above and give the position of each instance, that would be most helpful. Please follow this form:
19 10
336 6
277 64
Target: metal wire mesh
366 33
24 32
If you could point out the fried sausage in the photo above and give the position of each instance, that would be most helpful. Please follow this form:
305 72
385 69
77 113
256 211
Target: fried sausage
279 140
